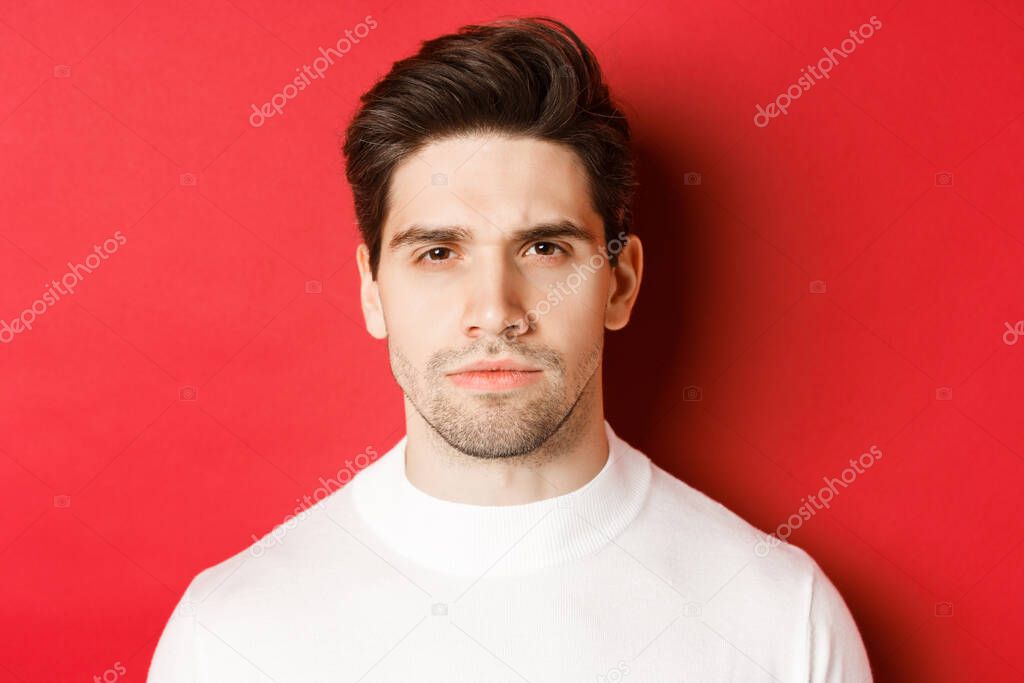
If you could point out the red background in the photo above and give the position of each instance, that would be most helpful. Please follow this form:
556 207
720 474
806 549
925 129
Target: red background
210 292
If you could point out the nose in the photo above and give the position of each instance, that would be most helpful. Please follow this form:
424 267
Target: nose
494 303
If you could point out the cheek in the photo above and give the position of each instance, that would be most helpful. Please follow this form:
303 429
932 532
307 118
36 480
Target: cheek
416 315
576 307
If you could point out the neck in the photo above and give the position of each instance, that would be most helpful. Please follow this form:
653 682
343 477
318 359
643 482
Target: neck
570 458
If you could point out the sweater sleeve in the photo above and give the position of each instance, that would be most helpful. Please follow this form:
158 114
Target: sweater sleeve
174 658
835 650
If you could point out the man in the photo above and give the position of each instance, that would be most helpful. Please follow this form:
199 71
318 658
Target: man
511 534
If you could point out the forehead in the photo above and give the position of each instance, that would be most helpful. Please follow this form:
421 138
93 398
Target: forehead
492 185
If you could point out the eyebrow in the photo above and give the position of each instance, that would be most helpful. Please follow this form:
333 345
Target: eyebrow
419 234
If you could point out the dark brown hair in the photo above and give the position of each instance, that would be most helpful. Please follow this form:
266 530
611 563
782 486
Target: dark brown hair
529 76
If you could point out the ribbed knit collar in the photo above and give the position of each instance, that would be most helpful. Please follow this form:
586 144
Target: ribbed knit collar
470 540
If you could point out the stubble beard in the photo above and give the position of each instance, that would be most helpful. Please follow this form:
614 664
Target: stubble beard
500 424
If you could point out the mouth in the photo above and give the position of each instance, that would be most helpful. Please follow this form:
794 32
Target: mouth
494 380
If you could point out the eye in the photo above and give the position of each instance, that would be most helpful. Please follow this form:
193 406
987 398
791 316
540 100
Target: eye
546 249
438 252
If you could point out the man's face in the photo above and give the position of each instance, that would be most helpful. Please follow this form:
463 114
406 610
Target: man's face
484 232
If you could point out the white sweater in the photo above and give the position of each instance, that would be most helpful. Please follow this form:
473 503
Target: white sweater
635 576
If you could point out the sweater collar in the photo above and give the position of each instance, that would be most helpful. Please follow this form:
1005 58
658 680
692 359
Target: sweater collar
470 540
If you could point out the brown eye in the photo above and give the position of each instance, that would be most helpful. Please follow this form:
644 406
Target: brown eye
436 251
546 248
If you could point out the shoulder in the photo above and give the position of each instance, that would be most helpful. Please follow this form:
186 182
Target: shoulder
695 531
717 559
741 578
311 543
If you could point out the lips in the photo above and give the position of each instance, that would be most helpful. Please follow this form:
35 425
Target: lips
495 375
494 380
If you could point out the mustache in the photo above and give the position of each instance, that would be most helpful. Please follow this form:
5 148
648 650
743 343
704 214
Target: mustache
441 361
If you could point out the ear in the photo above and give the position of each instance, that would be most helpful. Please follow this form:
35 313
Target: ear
369 295
625 284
